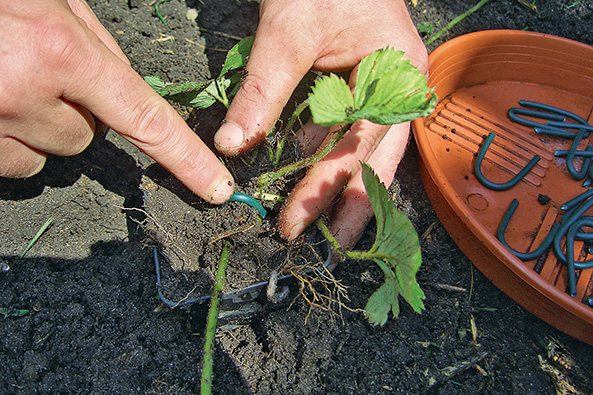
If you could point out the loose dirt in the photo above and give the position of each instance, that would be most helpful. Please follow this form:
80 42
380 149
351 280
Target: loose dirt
95 323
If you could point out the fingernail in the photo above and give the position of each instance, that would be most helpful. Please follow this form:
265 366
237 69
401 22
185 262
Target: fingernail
222 191
296 231
229 135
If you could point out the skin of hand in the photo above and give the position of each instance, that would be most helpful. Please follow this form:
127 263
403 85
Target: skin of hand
330 35
60 68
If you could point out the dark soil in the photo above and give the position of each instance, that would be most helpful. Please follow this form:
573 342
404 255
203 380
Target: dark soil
96 326
190 233
190 236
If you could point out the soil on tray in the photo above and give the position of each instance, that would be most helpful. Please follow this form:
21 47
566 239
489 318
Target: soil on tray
93 323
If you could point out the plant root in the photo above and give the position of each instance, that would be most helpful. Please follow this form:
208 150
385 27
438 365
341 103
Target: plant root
158 234
319 288
230 232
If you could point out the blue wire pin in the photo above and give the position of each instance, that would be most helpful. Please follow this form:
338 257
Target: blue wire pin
250 201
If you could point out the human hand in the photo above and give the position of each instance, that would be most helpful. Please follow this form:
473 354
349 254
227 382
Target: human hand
59 68
293 37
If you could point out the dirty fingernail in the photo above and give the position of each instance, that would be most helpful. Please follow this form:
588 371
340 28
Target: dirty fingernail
296 231
222 191
229 135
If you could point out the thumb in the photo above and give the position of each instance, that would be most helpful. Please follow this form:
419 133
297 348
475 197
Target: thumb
273 71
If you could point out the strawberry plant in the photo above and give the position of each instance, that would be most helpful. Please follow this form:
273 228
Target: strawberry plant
389 90
396 250
204 94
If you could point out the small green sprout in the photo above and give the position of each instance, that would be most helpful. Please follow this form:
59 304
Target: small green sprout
13 313
157 12
205 94
425 28
38 235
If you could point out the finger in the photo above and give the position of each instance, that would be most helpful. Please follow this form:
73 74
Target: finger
310 137
326 179
84 12
275 67
353 211
19 160
68 131
100 81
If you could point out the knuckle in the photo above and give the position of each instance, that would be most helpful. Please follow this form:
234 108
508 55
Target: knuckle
13 98
418 55
259 101
8 104
369 135
259 91
152 126
63 49
253 90
158 132
71 141
419 58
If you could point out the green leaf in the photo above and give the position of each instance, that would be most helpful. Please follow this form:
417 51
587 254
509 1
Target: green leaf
424 28
237 56
396 250
331 101
389 90
383 300
13 313
205 94
191 88
372 68
43 228
196 94
202 98
155 82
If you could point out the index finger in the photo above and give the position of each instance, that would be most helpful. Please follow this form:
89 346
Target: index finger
103 83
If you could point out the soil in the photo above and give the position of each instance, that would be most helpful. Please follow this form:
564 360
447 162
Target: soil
191 234
96 325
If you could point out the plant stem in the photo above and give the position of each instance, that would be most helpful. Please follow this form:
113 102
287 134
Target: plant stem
267 178
270 197
157 12
359 255
328 235
456 21
222 93
291 121
279 150
207 366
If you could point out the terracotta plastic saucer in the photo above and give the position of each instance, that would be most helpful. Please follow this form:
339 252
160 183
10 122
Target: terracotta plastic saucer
478 78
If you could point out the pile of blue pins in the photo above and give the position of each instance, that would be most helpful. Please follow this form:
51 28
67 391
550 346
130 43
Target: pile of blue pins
574 221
